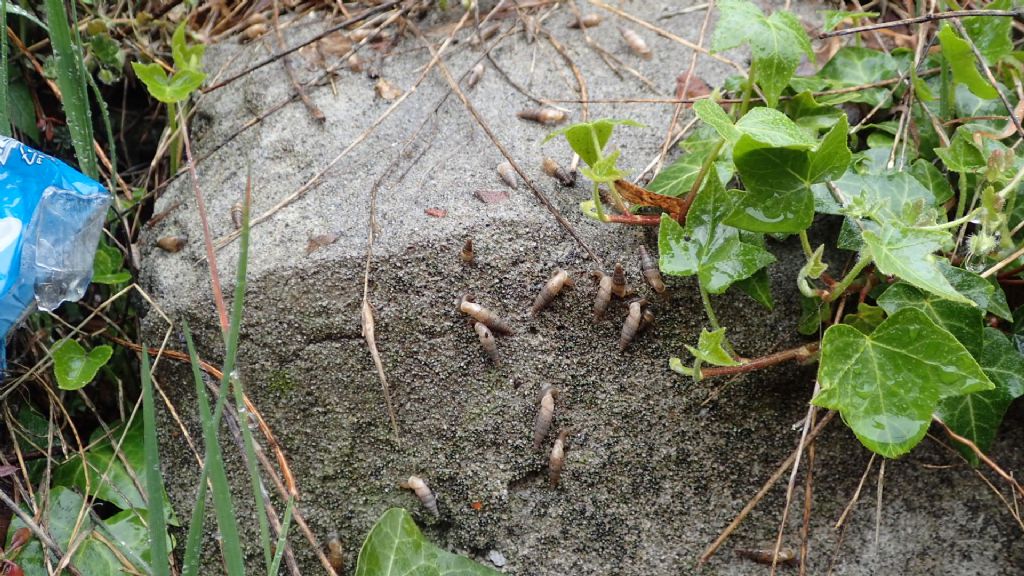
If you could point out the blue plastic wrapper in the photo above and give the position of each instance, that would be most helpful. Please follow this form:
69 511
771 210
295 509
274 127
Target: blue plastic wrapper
51 217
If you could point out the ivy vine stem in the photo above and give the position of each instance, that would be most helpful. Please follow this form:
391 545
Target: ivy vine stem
713 319
800 353
805 243
705 167
840 288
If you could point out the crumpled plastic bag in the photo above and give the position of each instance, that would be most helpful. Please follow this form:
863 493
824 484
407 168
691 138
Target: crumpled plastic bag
51 217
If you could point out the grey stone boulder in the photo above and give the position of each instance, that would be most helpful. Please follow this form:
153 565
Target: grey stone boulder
656 464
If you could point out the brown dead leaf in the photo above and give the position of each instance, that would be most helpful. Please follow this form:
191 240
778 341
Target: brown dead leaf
675 207
387 90
319 241
336 44
697 88
436 212
491 196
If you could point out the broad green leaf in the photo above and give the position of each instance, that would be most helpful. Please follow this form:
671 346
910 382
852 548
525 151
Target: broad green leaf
73 367
963 321
108 476
168 90
777 43
588 139
908 253
779 180
130 528
706 246
812 313
13 8
962 155
891 192
712 114
396 547
678 178
709 348
991 35
850 67
759 288
769 128
960 57
22 109
186 56
107 266
604 169
977 416
888 383
93 555
866 319
810 115
932 179
988 296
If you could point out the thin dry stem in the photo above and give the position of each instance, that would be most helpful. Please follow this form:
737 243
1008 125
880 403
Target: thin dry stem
713 547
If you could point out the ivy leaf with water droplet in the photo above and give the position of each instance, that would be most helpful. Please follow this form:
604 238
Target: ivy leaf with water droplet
779 180
888 383
777 43
73 367
963 321
908 253
706 246
395 546
977 416
709 348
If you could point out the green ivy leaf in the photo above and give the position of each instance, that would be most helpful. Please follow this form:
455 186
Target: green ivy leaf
866 319
93 554
779 180
987 295
22 108
963 321
678 177
1017 333
107 266
709 348
758 287
891 192
707 247
109 478
962 155
888 383
960 57
73 367
908 254
769 128
991 35
932 179
853 66
977 416
811 115
713 115
777 43
168 89
396 547
588 139
812 313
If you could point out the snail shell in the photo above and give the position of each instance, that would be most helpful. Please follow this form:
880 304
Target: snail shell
484 316
651 271
417 485
632 324
543 115
550 290
636 43
487 341
545 414
604 295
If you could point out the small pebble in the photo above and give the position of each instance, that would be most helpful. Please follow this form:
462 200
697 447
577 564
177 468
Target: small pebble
496 558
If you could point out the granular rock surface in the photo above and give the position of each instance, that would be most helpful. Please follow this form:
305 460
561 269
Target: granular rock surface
656 464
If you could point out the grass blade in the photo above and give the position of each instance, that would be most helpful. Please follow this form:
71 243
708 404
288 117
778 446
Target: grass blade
213 467
154 485
256 484
195 527
282 539
5 119
71 82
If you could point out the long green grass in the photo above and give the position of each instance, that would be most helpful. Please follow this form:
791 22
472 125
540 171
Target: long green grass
71 81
